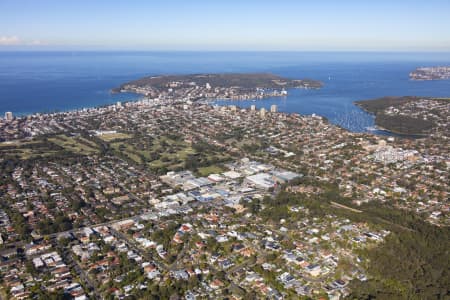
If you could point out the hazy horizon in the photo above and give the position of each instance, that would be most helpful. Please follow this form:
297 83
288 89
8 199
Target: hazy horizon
386 26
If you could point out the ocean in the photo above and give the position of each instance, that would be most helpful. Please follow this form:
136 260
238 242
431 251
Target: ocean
59 81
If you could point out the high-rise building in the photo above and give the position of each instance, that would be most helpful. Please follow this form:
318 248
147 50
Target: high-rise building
262 113
273 108
119 104
253 107
9 116
233 107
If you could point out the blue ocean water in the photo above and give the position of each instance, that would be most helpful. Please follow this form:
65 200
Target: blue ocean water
58 81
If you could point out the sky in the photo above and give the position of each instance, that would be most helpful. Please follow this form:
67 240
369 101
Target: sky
281 25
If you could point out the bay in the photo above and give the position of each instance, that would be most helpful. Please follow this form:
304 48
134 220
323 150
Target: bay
58 81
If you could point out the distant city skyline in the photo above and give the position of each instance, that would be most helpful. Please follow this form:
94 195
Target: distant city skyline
225 25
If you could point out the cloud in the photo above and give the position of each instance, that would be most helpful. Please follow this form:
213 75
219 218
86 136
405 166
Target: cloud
37 43
16 41
9 40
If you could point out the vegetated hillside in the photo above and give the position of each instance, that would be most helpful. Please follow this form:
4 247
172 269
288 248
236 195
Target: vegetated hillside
404 124
250 80
410 264
377 105
408 115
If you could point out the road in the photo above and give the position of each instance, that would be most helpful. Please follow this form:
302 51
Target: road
345 207
132 244
73 264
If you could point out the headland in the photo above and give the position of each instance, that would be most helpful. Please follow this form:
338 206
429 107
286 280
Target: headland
232 86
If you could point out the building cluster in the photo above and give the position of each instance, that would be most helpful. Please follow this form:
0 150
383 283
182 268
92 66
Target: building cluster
177 239
430 73
357 161
192 91
44 270
434 111
6 230
87 192
216 247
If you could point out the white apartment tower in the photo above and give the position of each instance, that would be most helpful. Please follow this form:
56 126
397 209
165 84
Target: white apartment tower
8 116
262 113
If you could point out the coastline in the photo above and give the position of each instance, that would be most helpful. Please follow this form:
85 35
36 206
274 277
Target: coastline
379 130
23 114
392 132
400 134
211 102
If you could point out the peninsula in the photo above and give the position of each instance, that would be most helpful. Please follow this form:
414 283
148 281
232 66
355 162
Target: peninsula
430 73
410 115
232 86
